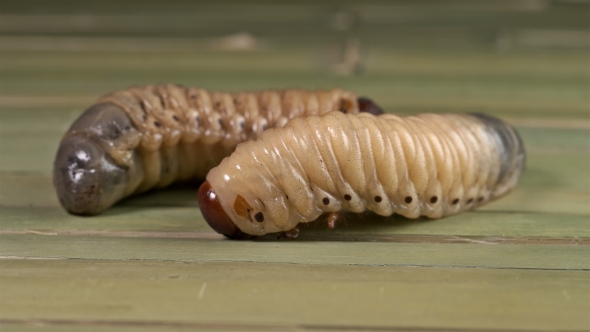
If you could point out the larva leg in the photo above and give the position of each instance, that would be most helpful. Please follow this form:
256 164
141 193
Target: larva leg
333 218
291 234
87 178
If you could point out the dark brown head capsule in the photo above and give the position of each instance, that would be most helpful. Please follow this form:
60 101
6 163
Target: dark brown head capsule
367 105
215 215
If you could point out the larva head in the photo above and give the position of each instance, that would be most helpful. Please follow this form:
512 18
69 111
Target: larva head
86 179
367 105
233 209
215 215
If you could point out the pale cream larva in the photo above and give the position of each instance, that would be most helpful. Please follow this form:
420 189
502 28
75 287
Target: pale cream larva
426 165
151 136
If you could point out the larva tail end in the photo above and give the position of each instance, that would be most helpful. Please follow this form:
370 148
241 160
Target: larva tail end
86 180
215 215
512 152
367 105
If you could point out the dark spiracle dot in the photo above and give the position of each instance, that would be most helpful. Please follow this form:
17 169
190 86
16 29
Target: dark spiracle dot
175 118
455 201
198 120
220 123
347 197
480 199
287 196
259 217
242 124
326 201
378 199
470 201
263 127
408 200
193 96
157 124
433 199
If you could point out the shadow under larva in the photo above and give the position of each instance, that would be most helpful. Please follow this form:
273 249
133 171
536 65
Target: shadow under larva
140 138
428 165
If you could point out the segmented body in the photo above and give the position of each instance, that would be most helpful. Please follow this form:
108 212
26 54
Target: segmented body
146 137
426 165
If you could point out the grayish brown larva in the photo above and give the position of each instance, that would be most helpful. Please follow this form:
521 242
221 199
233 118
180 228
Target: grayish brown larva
427 165
149 137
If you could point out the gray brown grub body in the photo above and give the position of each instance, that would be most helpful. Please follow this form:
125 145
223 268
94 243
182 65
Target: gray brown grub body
148 137
429 165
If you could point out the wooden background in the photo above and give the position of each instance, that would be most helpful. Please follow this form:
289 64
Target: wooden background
521 263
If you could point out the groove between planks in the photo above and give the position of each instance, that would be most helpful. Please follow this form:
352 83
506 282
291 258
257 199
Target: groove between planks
237 326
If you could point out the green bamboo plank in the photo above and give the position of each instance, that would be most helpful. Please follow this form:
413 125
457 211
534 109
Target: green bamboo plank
565 67
141 326
293 295
530 84
558 257
36 325
174 221
68 326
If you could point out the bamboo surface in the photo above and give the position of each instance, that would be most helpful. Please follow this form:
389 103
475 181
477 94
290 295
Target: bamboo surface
152 263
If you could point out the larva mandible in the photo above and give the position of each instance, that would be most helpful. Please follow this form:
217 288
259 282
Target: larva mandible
426 165
151 136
